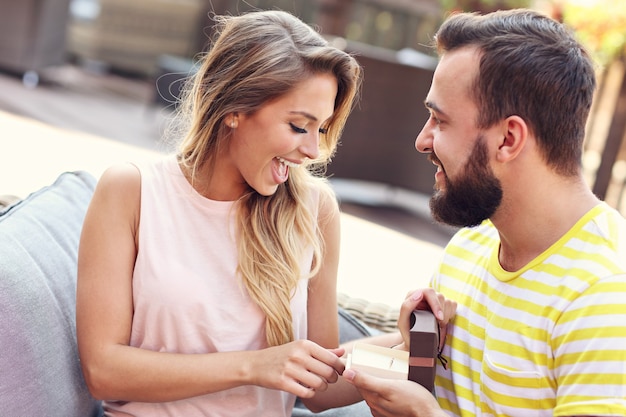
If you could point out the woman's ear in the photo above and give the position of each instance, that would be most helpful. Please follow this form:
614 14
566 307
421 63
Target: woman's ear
231 120
515 135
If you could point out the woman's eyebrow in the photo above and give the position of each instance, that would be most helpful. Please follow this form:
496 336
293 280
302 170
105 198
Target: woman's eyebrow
305 114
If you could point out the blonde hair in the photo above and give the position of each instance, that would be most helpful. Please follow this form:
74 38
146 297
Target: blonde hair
255 58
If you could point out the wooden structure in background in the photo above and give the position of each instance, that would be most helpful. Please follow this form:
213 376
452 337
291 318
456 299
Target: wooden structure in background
32 34
605 147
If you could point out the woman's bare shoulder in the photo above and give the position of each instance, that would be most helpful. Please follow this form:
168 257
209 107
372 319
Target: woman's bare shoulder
118 191
123 177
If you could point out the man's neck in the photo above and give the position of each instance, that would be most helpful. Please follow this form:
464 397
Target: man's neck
530 221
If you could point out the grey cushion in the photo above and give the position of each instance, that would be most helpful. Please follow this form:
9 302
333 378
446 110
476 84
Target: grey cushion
39 367
351 328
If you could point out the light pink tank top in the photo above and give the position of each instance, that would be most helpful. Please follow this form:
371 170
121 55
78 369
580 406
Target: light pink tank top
188 299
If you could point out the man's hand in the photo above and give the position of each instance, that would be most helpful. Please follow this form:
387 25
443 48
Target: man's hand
393 397
426 299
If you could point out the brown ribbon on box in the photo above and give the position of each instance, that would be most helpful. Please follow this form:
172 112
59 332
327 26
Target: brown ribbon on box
422 362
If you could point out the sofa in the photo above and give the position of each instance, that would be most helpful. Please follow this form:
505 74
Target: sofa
40 369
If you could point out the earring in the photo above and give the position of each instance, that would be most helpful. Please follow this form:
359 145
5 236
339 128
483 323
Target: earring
232 124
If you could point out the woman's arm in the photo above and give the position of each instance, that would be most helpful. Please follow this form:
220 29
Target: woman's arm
323 324
322 310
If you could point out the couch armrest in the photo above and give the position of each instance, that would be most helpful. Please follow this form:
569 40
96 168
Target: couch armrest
377 315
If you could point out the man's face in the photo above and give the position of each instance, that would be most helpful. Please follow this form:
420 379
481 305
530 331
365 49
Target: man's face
467 190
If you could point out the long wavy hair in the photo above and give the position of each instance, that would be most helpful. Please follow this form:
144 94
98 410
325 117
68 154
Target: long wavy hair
257 57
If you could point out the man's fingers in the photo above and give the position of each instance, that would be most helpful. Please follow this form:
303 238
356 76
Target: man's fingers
435 302
360 380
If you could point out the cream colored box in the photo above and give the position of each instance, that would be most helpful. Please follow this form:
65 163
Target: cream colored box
379 361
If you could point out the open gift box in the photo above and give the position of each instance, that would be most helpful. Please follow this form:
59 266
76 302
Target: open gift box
418 364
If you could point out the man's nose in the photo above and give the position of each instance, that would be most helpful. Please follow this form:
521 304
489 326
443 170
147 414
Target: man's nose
424 140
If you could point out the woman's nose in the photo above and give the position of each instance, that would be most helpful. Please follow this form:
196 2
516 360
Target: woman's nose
311 145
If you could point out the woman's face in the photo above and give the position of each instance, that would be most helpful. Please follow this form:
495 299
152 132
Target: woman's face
277 138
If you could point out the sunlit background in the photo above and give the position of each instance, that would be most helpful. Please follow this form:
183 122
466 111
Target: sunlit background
113 68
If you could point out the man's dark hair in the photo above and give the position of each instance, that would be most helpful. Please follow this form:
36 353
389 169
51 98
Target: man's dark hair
531 66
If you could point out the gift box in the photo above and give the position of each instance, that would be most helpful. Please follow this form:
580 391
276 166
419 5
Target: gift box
424 348
379 361
417 365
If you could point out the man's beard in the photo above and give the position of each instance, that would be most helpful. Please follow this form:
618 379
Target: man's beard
471 198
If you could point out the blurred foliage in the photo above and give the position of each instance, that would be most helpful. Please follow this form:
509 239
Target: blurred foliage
482 6
599 24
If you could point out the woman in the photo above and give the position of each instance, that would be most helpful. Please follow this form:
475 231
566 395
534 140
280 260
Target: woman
206 281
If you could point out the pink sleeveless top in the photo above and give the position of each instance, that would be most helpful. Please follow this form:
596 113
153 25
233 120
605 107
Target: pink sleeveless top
188 298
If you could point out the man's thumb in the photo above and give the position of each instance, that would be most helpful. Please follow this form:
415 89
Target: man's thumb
349 375
359 379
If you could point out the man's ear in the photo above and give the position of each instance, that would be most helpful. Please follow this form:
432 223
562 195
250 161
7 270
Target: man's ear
515 135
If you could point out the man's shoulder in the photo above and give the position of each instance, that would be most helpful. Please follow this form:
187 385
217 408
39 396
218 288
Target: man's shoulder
608 223
601 235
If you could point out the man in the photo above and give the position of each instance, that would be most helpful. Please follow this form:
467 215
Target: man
538 269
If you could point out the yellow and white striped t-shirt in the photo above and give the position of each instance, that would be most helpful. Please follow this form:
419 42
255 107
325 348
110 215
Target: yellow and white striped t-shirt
547 340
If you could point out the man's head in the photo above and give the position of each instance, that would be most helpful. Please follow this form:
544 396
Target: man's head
518 66
530 66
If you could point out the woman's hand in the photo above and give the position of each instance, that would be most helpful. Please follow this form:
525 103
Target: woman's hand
301 368
426 299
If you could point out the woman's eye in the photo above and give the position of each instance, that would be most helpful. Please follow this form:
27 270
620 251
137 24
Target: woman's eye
297 129
323 130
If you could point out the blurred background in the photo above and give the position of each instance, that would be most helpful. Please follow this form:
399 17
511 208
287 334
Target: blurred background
114 68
